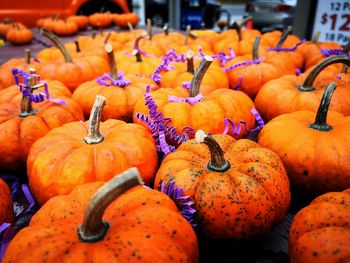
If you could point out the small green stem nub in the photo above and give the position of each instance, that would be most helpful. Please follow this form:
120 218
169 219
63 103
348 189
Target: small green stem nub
94 136
320 123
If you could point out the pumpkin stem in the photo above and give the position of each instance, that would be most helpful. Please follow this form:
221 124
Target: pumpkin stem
218 163
256 48
111 59
107 38
320 123
93 35
166 29
203 26
236 27
188 32
307 86
58 43
26 102
190 65
316 37
131 28
94 136
16 26
284 36
94 228
27 56
199 74
137 54
77 46
149 28
245 21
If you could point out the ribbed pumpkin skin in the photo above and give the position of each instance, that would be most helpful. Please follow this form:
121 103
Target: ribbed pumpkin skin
241 203
316 161
207 115
320 232
62 160
18 134
6 205
120 100
145 226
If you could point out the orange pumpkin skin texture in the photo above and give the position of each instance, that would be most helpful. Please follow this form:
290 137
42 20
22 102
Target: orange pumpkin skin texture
301 146
303 92
65 28
144 226
242 202
6 205
124 145
320 232
19 36
81 21
98 20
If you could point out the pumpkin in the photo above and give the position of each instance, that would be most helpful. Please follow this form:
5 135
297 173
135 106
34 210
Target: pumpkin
6 77
120 221
100 20
120 91
211 113
21 126
65 27
167 39
239 189
249 75
313 149
291 93
5 26
19 35
71 73
124 20
6 205
271 39
68 157
320 232
81 21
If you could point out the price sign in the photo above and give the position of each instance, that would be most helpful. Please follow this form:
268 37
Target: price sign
333 21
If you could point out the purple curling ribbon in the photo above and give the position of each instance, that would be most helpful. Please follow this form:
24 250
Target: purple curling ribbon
164 147
291 49
221 56
236 129
239 85
143 53
172 56
186 85
336 51
183 202
107 80
245 63
7 232
29 197
298 71
25 87
164 66
190 100
338 77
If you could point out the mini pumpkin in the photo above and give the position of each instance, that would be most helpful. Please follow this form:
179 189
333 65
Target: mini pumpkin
65 27
120 221
320 232
6 205
239 189
313 147
81 21
100 20
19 35
79 153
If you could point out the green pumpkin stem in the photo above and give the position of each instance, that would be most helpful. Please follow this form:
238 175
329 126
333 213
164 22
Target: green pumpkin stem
190 65
238 29
26 103
93 228
94 136
217 163
199 74
77 46
284 37
111 60
307 85
316 37
27 56
320 123
256 48
58 43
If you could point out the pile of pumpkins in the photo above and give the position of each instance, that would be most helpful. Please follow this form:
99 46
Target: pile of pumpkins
134 142
15 32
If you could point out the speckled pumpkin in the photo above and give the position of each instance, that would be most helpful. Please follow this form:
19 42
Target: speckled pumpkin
122 222
79 152
239 189
314 147
320 232
6 205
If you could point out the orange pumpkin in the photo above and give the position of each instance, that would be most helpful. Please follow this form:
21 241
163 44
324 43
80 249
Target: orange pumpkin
292 93
6 205
19 35
71 73
21 126
239 189
120 221
100 20
124 20
65 27
95 157
314 150
5 26
81 21
320 232
120 91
